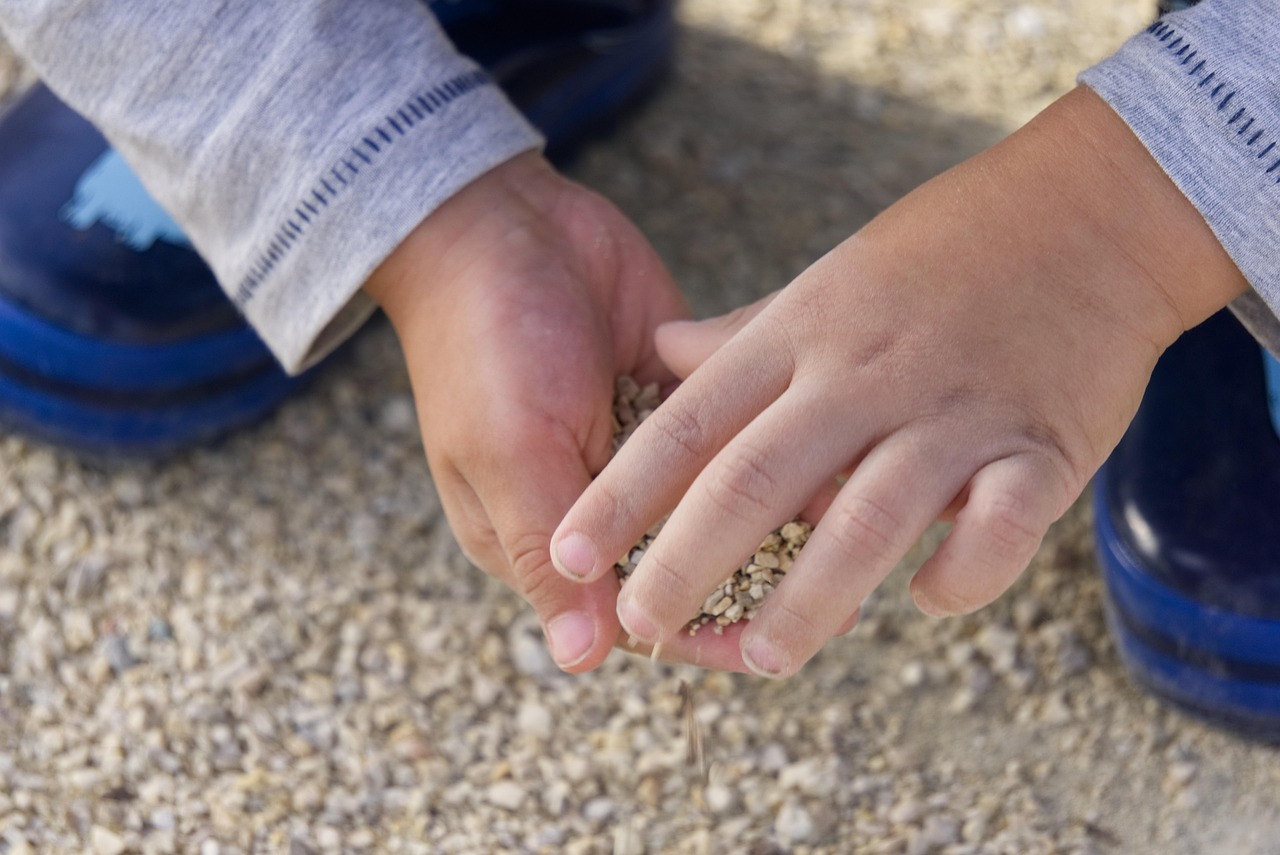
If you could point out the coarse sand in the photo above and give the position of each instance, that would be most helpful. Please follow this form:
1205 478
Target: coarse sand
275 645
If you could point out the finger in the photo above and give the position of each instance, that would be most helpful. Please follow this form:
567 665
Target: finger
822 500
849 623
950 511
705 649
668 450
525 496
1012 502
469 522
684 345
892 497
757 483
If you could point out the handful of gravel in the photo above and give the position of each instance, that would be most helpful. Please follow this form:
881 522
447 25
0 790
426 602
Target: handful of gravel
739 596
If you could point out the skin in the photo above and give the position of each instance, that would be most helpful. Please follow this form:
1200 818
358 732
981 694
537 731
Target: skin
517 303
974 353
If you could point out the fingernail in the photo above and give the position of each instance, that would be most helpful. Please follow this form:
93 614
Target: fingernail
678 325
924 604
637 624
570 637
575 556
763 658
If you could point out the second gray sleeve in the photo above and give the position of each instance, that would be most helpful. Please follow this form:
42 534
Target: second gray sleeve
1201 90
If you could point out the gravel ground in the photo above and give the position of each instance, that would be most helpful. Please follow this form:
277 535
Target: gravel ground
275 645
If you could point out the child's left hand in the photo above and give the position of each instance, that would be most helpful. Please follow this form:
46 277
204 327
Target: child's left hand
979 348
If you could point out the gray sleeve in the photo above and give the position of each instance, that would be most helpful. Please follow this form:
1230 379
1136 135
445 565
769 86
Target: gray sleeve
1201 89
296 141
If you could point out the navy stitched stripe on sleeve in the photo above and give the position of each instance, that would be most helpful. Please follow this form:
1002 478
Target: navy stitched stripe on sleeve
1220 95
366 150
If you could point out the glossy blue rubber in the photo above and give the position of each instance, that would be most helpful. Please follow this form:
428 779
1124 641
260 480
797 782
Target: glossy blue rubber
117 339
1187 518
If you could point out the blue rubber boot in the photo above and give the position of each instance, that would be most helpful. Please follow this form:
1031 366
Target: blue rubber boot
1188 530
114 336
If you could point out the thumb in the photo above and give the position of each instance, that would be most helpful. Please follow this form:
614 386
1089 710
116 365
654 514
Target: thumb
579 619
684 345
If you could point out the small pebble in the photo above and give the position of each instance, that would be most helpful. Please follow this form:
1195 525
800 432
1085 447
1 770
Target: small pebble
534 720
116 650
159 629
398 415
528 650
940 831
598 809
720 799
1181 772
906 811
507 795
793 823
103 841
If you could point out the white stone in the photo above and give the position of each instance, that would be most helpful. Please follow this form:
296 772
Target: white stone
793 823
812 777
598 809
103 841
534 720
912 674
1026 22
1181 772
77 630
507 795
720 799
555 798
773 757
398 415
485 690
328 837
1000 644
528 651
940 831
906 811
576 767
549 835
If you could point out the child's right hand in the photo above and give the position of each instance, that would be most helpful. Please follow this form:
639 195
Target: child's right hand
518 303
980 347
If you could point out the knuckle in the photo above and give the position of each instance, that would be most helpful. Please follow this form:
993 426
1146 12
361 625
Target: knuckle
528 554
1051 457
791 631
680 429
866 531
1011 529
742 483
807 309
797 627
663 588
607 510
539 587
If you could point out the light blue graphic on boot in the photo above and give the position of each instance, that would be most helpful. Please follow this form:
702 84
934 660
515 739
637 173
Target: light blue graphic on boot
111 194
1272 368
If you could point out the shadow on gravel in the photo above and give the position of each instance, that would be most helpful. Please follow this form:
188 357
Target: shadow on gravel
748 165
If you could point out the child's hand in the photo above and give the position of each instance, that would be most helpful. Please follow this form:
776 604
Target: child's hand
517 303
975 352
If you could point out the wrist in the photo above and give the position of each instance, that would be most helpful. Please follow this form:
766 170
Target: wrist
1154 251
443 243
